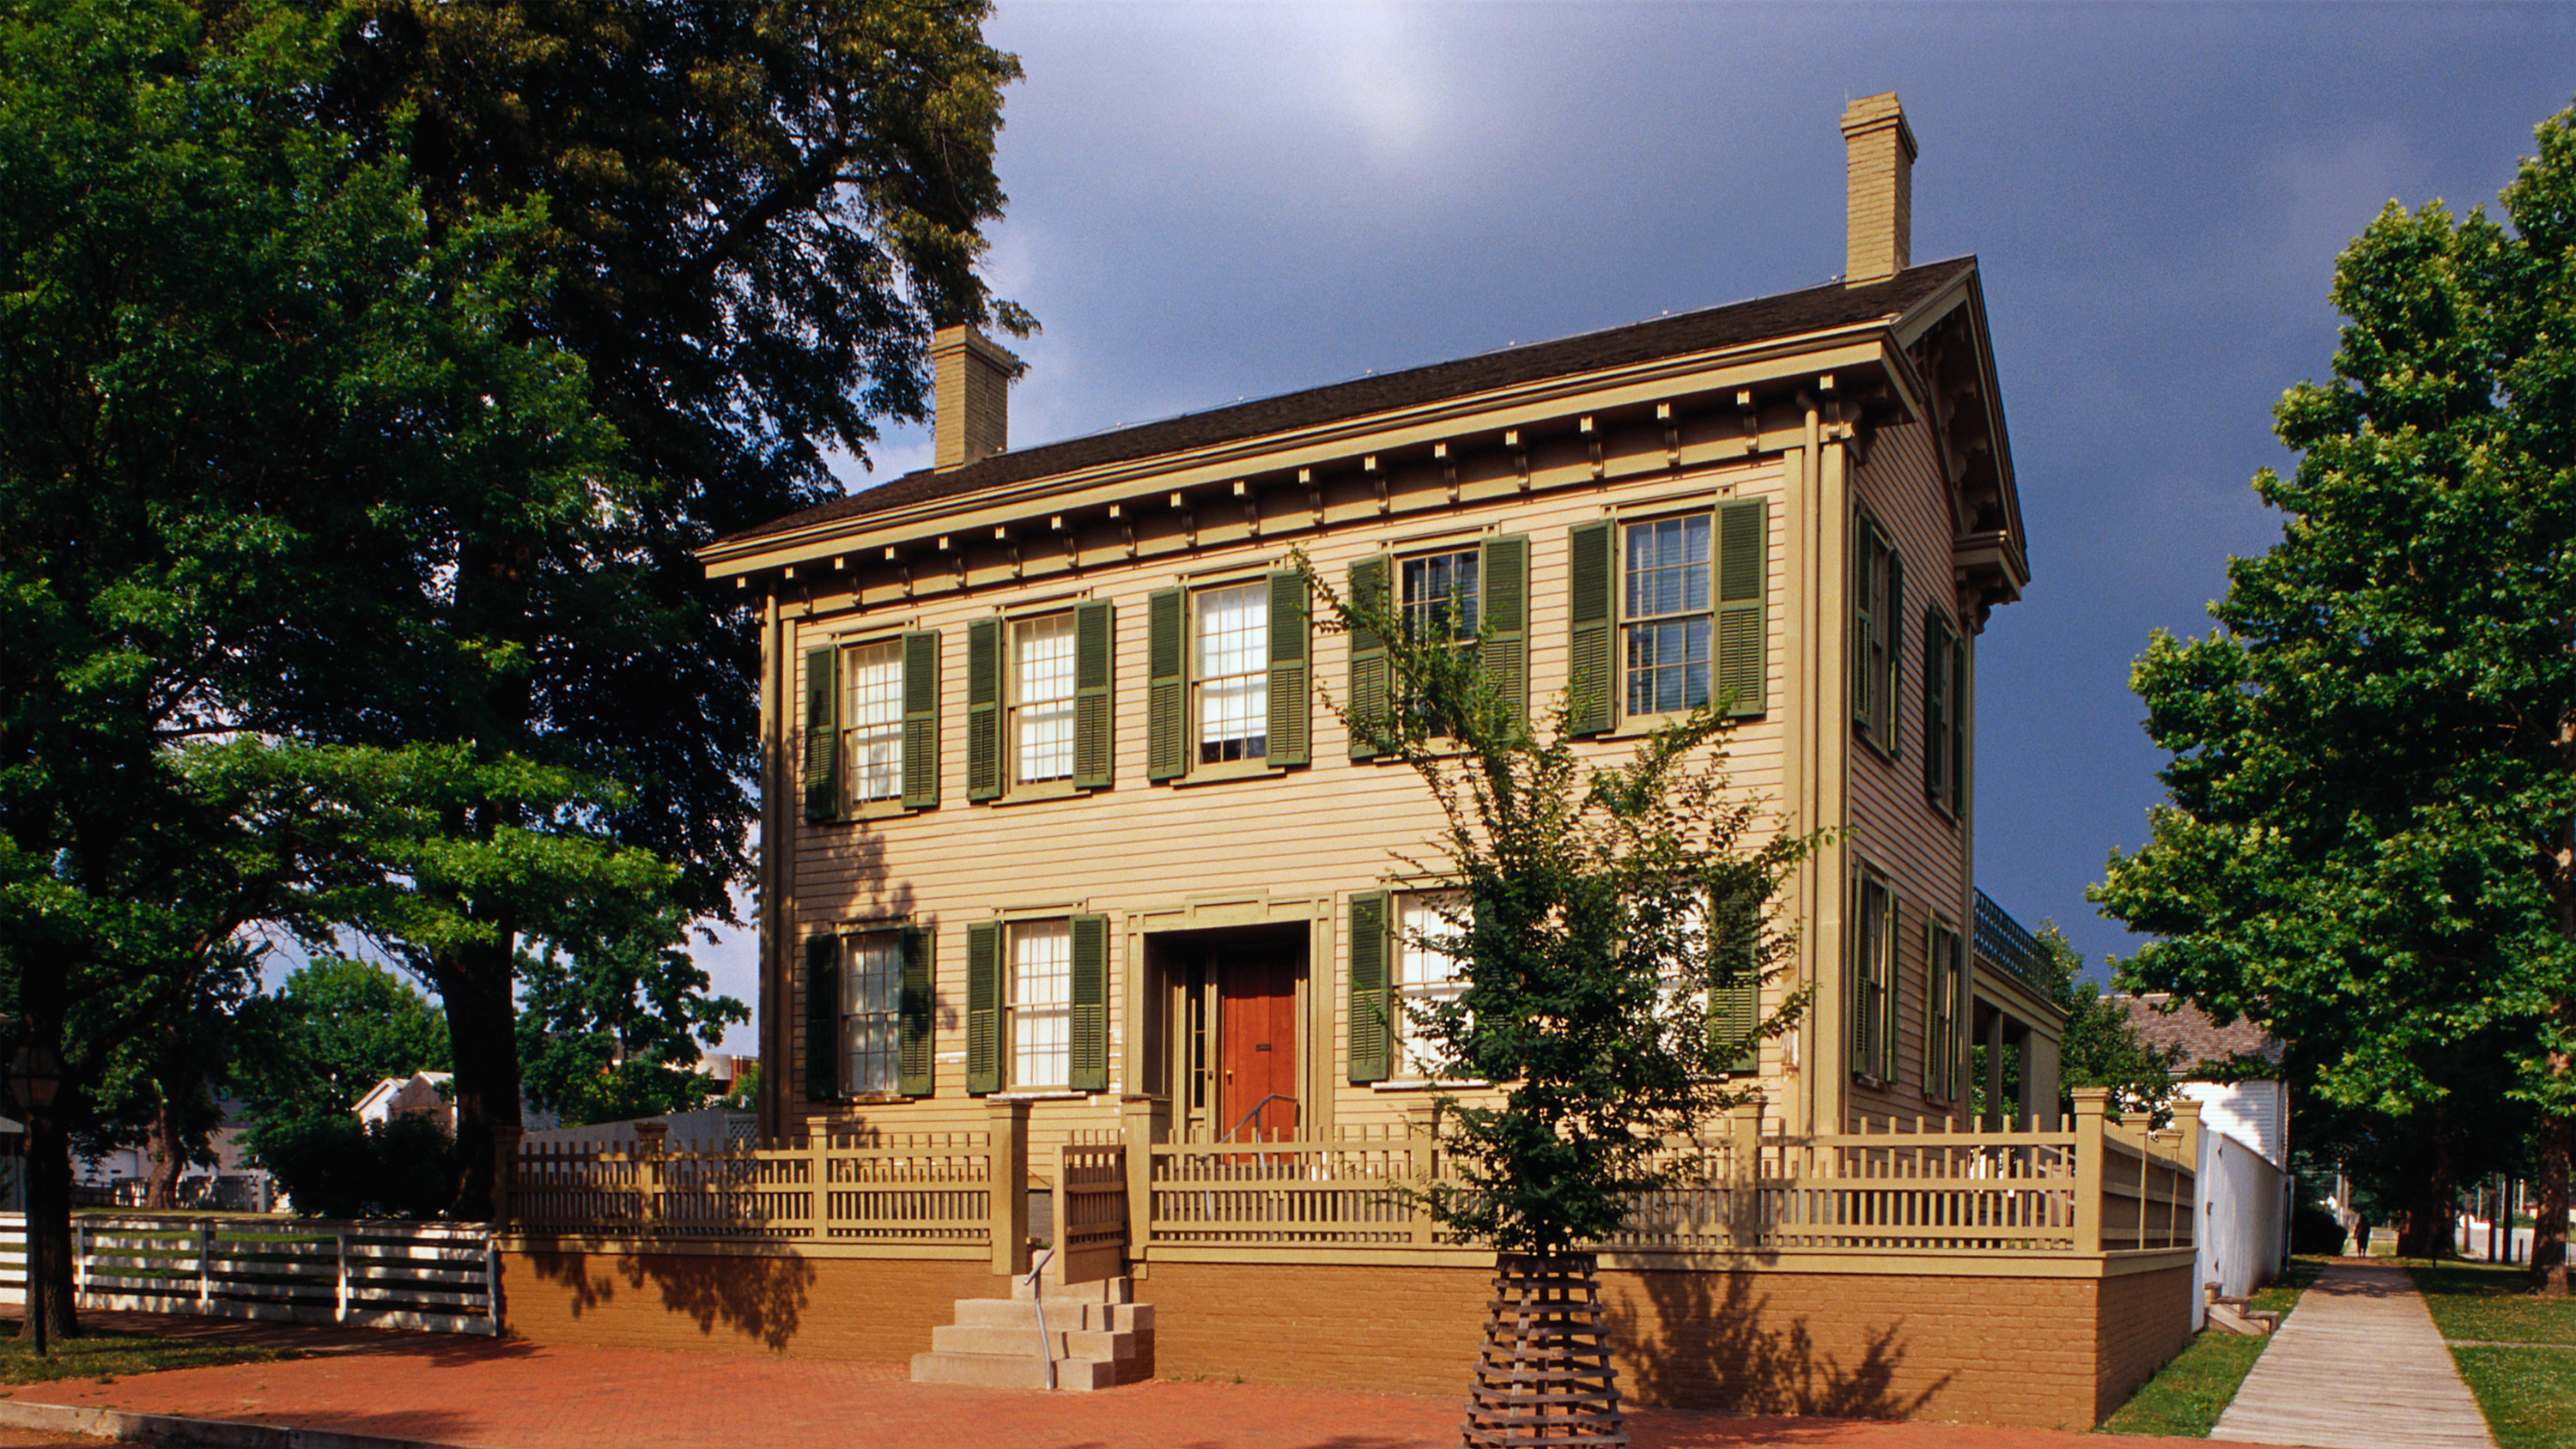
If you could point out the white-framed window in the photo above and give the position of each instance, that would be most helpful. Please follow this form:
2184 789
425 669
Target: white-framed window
1439 595
1668 624
1425 978
1041 698
872 722
1230 677
871 979
1038 1005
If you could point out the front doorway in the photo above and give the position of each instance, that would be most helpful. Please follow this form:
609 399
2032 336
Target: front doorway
1237 1058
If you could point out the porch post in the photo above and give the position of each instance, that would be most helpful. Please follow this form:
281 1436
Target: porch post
1136 1130
1007 1175
2090 1102
2186 1115
1995 1116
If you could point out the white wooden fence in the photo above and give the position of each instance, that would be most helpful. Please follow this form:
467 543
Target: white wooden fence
436 1276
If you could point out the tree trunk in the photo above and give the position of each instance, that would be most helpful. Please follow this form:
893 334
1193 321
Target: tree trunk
2424 1223
2549 1230
474 986
162 1157
49 1201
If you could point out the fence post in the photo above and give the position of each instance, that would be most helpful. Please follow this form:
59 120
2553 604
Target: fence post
2090 1103
505 1172
1744 1171
340 1309
818 1173
2186 1115
1136 1130
648 1171
1008 1177
205 1265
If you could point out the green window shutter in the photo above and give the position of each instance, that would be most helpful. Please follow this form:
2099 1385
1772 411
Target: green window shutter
1369 682
1864 537
1932 1074
1502 574
1734 981
822 1017
1095 635
1291 701
984 709
1372 949
822 734
913 1013
983 1008
1743 577
1961 707
1936 709
1888 937
1592 587
1167 715
1089 1052
1883 719
921 720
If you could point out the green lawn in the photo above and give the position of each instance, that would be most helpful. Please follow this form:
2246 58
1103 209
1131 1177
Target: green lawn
2527 1393
106 1356
2186 1396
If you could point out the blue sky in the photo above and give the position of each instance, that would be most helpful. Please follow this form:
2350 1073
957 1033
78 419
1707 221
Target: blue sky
1218 201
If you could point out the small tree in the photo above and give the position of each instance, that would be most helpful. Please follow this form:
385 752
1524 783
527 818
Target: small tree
1603 918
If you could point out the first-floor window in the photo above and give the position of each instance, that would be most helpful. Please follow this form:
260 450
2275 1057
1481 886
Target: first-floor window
1042 698
1038 1006
1232 673
1946 962
872 721
1426 978
871 971
1873 998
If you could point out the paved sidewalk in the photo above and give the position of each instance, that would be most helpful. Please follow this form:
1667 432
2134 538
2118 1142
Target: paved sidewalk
435 1389
2358 1366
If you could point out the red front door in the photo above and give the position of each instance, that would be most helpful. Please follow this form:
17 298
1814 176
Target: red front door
1256 1044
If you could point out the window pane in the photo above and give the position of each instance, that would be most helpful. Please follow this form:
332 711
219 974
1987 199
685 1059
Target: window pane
868 983
1042 698
1232 677
1041 1003
872 721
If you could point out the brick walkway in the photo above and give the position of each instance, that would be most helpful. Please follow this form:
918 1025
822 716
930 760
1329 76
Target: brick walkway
516 1395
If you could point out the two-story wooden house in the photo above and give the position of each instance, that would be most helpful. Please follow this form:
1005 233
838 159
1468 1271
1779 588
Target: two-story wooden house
1065 843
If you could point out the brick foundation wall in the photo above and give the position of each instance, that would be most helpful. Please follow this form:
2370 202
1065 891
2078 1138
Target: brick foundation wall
2044 1352
879 1309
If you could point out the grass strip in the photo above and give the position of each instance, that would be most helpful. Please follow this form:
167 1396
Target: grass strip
2527 1394
107 1356
2187 1395
2492 1302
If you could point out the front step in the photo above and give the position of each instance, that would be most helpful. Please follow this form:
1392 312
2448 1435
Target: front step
1098 1334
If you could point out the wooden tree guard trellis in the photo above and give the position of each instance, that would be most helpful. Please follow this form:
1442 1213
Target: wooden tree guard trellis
1544 1376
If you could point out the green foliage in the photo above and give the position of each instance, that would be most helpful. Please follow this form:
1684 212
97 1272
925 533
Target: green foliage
1579 907
2366 843
339 1167
615 1033
335 1029
746 1088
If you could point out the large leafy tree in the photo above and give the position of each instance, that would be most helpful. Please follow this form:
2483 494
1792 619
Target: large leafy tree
2370 837
752 216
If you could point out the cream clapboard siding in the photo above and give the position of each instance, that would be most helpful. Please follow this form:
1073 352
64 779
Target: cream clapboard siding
1317 834
1896 829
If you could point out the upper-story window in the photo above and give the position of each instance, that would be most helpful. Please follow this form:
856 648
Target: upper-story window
1670 630
1230 677
1439 595
872 722
1945 715
1878 631
1041 698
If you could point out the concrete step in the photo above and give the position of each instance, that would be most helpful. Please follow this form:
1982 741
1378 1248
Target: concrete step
1023 1313
1007 1371
1075 1344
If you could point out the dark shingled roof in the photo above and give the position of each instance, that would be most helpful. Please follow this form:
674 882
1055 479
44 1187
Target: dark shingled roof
1817 309
2190 1028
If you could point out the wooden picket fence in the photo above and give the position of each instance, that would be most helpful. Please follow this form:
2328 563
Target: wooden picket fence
929 1190
440 1277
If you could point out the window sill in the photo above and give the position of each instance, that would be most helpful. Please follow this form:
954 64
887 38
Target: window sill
1040 1094
875 810
1418 1084
1230 770
1637 727
1044 790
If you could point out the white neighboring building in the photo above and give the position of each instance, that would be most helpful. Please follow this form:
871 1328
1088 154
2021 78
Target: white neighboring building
2245 1189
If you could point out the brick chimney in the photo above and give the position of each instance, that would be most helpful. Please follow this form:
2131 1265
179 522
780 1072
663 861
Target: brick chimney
970 397
1879 163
